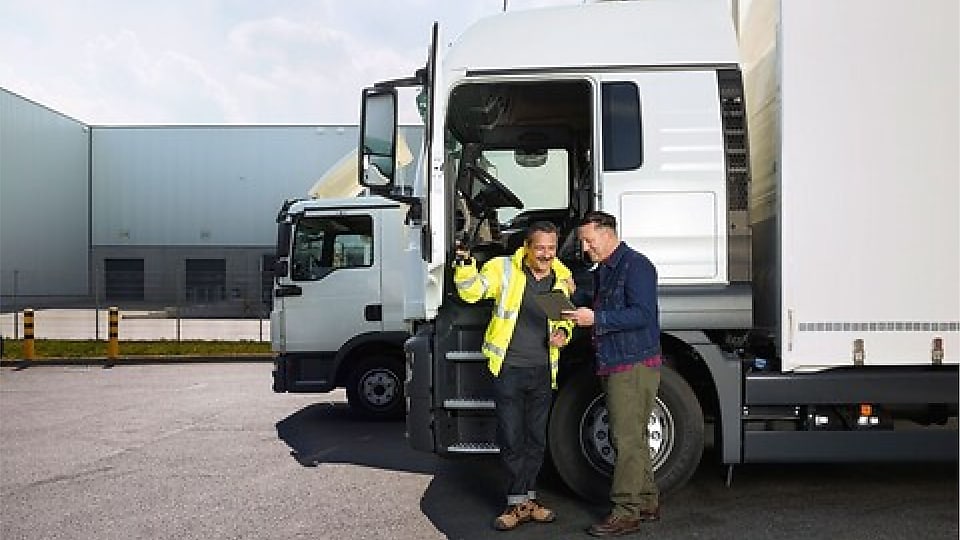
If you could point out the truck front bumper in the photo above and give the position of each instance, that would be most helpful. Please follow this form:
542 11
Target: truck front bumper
305 372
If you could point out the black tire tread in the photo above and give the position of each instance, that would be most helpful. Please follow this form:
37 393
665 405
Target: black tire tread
358 404
590 484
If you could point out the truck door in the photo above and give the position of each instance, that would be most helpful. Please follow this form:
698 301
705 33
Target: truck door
662 171
434 244
332 291
426 222
425 253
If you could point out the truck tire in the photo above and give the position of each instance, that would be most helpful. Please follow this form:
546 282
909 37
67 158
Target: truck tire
375 387
579 435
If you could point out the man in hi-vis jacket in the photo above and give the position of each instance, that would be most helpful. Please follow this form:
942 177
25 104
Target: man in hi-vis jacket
522 349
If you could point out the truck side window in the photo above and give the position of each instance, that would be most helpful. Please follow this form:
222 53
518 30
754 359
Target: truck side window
622 143
324 244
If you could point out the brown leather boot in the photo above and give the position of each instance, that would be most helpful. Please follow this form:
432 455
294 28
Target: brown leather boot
650 515
539 512
614 526
512 517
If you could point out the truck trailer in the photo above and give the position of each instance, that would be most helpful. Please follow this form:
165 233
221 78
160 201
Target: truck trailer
796 186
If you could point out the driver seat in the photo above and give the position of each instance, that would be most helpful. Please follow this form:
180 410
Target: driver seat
485 250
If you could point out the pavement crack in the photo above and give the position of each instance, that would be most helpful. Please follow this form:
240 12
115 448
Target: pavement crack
69 477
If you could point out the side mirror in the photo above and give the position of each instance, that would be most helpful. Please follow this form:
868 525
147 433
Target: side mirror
378 139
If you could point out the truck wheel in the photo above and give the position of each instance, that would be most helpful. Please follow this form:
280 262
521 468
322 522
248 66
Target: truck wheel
375 387
580 444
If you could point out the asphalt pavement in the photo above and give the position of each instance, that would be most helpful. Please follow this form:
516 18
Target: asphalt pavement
208 451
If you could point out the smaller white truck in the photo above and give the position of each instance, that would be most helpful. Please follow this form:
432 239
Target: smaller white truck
337 317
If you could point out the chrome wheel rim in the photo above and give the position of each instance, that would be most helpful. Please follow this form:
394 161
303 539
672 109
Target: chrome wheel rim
597 445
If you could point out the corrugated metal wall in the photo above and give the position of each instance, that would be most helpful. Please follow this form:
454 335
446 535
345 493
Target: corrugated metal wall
44 201
89 210
204 186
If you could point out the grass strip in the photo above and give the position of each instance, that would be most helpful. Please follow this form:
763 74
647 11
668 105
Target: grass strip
67 348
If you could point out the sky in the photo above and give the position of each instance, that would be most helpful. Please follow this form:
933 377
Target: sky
144 62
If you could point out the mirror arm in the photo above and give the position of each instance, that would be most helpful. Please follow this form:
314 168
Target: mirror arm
415 213
418 79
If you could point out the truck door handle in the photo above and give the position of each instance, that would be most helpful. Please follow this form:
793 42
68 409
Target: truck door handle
288 290
373 312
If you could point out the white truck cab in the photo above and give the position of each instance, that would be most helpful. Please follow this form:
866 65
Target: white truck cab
337 317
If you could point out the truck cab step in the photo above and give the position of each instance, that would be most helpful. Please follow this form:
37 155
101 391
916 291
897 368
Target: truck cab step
469 403
473 448
466 356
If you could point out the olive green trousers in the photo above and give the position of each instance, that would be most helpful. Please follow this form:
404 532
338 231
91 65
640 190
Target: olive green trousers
630 398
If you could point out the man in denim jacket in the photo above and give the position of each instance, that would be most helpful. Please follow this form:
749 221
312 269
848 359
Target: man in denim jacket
626 337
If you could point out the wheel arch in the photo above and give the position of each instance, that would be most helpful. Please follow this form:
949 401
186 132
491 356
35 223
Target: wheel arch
690 365
370 343
716 380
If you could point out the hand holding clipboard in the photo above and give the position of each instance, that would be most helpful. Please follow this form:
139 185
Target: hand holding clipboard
554 303
559 308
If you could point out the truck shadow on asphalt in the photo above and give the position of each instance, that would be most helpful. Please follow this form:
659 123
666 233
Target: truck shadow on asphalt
332 433
465 493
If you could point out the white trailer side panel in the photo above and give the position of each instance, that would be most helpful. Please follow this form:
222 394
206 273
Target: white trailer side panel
869 189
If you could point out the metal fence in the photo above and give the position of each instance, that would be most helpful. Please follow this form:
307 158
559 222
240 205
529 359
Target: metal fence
134 325
206 301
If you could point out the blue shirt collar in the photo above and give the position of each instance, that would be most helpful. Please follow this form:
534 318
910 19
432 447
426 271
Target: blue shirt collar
614 258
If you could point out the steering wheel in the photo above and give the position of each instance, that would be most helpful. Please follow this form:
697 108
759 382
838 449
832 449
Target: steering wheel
509 198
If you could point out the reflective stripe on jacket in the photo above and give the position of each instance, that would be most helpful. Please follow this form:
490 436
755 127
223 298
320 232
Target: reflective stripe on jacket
503 280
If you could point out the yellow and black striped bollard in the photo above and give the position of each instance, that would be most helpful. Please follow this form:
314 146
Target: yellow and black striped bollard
113 345
29 347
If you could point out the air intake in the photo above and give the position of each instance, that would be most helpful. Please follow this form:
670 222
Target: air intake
733 113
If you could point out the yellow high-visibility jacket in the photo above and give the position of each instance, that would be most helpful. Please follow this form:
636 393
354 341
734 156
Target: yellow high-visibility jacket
503 280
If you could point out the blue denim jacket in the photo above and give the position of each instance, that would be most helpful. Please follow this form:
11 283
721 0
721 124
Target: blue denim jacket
626 328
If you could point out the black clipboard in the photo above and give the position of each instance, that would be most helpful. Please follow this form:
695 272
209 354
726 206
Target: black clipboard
552 303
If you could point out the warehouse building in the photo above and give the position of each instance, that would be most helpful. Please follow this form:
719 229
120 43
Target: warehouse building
149 217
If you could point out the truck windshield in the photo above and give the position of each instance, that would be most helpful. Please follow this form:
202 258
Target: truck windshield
540 187
324 244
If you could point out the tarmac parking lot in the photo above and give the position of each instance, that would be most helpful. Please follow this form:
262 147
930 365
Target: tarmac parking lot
208 451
